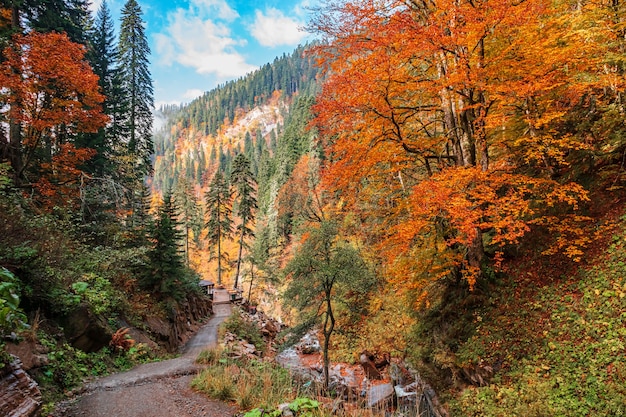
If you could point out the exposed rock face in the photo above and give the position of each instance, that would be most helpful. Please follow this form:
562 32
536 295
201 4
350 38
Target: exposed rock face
19 394
185 320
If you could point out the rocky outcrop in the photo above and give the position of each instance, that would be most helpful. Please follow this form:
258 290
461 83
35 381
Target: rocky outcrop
19 394
184 320
86 331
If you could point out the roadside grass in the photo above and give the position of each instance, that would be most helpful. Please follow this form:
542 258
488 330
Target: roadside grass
248 383
559 344
258 388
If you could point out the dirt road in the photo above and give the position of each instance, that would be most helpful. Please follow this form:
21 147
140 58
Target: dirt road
159 389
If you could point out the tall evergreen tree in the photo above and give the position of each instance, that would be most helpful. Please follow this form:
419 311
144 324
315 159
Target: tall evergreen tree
190 211
219 223
69 16
245 199
103 61
136 83
166 262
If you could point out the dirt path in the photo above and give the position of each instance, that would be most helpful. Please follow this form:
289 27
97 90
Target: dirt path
159 389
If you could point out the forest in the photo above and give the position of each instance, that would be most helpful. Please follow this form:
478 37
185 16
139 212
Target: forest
442 182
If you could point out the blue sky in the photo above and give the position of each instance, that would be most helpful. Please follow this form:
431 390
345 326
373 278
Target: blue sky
198 44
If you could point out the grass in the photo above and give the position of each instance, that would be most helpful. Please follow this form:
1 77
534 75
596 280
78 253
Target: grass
247 383
560 343
258 388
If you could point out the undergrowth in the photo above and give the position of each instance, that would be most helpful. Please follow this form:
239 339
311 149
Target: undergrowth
244 330
247 383
67 368
561 345
258 388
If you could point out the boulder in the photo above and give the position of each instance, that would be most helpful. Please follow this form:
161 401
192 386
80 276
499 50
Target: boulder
309 344
31 354
86 331
366 360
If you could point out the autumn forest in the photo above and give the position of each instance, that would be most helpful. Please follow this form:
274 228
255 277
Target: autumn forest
439 181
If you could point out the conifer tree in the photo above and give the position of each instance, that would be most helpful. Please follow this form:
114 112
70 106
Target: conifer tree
103 61
166 262
245 199
136 84
219 223
69 16
190 211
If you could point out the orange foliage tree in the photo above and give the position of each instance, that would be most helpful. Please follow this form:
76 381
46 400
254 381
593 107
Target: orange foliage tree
446 123
50 95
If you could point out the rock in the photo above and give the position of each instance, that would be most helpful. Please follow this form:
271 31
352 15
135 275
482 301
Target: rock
378 395
183 320
285 411
309 344
19 393
366 361
400 375
85 331
158 327
402 392
290 360
31 354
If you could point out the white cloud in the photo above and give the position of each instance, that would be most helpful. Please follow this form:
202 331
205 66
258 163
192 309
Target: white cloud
224 11
205 45
273 28
192 93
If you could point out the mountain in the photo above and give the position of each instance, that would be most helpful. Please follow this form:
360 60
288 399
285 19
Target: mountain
265 116
247 115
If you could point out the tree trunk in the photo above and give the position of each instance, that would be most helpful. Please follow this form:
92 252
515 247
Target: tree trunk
14 150
219 259
14 147
251 281
329 325
239 257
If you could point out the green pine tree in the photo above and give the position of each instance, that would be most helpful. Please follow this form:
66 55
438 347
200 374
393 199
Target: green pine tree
245 199
219 211
136 84
190 211
69 16
166 263
102 58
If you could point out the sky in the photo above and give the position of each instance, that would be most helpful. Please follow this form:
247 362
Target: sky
198 44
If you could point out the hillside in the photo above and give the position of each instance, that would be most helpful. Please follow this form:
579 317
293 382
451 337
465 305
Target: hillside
263 116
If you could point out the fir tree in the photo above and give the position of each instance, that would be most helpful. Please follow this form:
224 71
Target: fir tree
69 16
219 223
245 199
102 59
190 211
166 262
136 84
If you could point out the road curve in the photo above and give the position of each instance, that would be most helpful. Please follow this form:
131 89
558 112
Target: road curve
158 389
